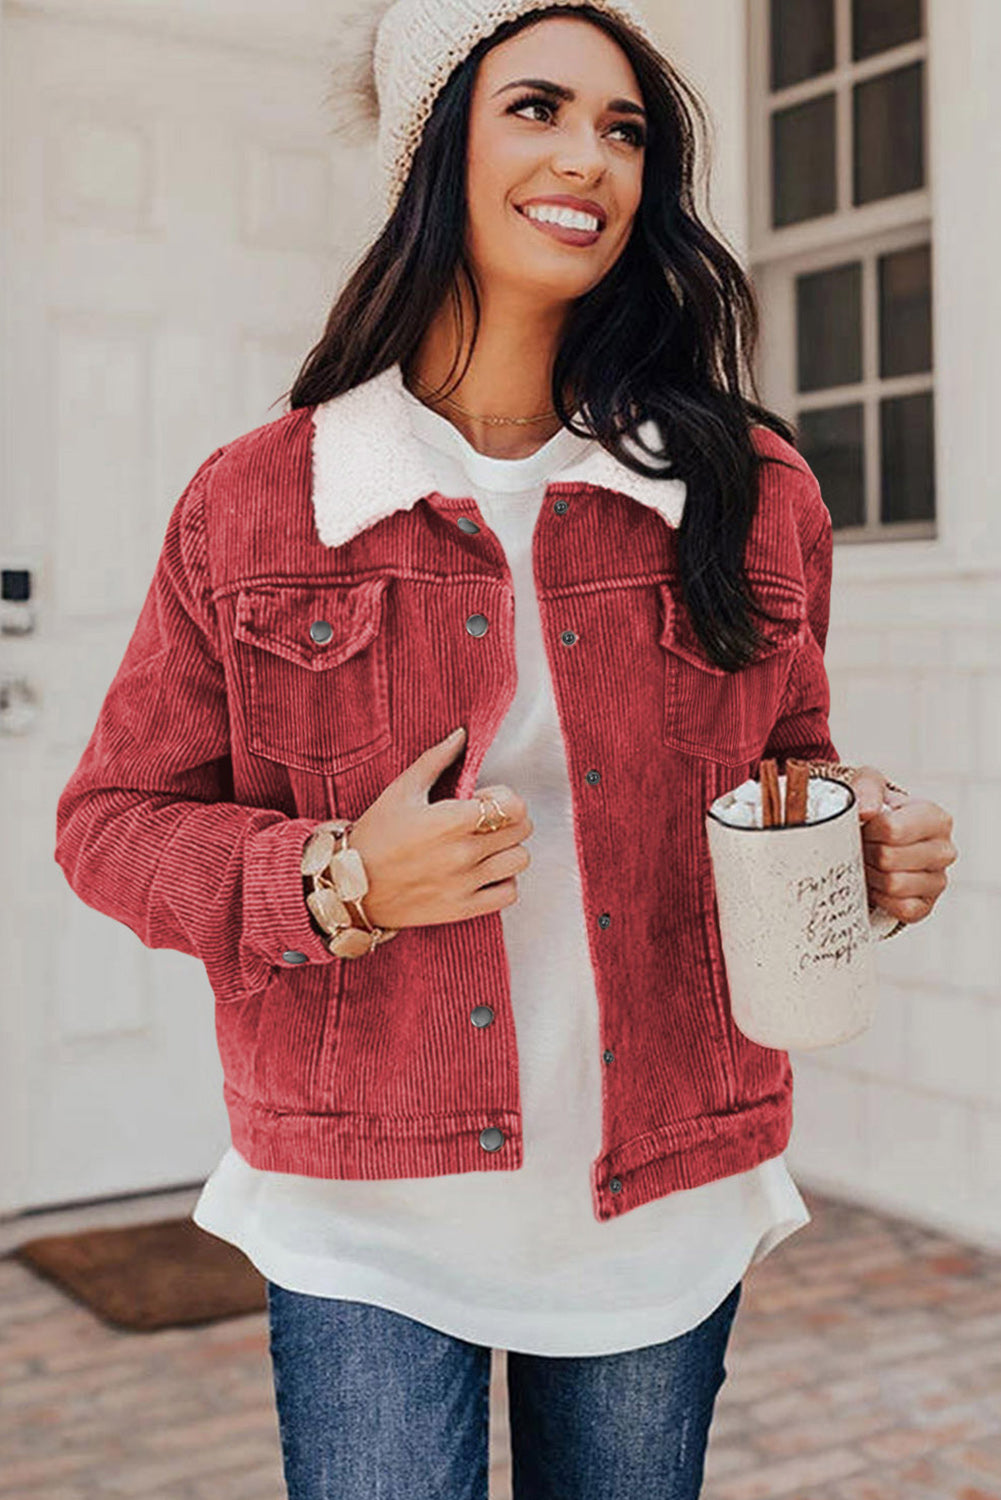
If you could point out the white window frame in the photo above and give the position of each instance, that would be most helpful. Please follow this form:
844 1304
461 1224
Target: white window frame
851 234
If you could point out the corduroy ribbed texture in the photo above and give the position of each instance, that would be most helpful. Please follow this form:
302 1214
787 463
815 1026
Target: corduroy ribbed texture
228 732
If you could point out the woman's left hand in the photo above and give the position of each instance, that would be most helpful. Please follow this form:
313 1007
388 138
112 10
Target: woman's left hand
907 848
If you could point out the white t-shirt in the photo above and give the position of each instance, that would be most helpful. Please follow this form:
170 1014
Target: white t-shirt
516 1260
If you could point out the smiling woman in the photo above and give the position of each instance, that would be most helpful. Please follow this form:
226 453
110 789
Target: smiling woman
544 291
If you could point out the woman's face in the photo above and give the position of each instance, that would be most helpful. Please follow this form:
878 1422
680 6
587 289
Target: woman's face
571 138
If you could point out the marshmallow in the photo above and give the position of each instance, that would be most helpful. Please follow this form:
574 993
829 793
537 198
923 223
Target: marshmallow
741 806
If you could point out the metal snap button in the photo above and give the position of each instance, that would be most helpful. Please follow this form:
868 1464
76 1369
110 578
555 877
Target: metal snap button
467 524
592 777
604 920
491 1139
477 624
481 1016
321 631
293 956
568 637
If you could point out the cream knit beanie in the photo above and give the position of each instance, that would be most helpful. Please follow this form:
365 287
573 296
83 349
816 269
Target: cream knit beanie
411 48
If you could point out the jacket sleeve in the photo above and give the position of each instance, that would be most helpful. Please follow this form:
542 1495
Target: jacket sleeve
146 828
801 729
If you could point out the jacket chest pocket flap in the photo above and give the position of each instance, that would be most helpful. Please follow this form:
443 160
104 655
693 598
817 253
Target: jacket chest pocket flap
720 715
313 667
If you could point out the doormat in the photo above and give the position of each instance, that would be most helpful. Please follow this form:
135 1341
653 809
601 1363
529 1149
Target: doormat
148 1276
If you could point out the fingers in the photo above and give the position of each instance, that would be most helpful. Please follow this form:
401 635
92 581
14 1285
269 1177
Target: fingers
906 884
927 854
909 821
868 786
511 804
910 909
485 845
502 865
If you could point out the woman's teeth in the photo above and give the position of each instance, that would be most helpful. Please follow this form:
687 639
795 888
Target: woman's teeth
571 218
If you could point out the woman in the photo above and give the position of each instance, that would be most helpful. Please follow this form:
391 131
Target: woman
482 1099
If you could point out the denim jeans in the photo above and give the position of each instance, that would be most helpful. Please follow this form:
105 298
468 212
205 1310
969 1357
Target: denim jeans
373 1405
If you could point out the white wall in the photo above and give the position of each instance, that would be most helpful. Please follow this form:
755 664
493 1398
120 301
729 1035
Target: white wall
295 27
707 41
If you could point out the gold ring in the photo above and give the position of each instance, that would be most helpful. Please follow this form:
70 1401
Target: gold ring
484 823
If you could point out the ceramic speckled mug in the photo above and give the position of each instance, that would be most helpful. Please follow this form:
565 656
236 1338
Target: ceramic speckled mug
795 926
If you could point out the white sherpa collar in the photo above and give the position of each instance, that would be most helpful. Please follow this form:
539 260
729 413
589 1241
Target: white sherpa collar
367 463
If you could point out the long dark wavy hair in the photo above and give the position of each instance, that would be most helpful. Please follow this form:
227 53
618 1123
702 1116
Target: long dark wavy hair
662 337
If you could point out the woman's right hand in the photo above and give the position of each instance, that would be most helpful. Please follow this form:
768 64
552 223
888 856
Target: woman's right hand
424 862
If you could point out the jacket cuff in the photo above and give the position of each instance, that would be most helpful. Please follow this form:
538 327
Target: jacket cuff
278 923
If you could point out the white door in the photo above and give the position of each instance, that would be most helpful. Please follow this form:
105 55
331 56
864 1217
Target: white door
176 221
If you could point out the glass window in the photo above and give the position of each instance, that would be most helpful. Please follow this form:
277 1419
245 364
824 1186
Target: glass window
878 25
803 161
905 325
802 35
829 327
844 162
832 442
907 432
889 134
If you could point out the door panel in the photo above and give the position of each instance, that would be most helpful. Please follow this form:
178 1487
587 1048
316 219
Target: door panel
177 217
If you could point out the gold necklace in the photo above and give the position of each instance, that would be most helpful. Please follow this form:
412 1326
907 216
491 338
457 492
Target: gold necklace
543 416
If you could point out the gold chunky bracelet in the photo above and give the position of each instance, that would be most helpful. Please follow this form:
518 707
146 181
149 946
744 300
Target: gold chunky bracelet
339 883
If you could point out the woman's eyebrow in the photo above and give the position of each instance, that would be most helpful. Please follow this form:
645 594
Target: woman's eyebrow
560 91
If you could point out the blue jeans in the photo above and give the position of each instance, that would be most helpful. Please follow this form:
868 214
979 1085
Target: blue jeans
373 1405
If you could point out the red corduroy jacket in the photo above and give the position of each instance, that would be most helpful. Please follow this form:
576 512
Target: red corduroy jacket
232 727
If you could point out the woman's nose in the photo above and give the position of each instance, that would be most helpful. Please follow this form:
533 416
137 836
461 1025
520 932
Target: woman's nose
580 156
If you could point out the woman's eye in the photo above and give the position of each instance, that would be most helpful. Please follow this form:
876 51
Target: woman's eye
531 104
634 134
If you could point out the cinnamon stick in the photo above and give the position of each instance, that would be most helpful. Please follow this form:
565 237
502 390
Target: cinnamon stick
797 780
771 805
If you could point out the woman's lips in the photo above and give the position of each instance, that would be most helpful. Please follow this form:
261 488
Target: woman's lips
562 232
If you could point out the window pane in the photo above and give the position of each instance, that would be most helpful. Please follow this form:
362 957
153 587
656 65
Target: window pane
889 134
803 162
832 443
829 327
878 25
802 34
905 346
908 479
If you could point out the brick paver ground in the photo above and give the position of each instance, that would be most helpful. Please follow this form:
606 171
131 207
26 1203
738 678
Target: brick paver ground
865 1364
